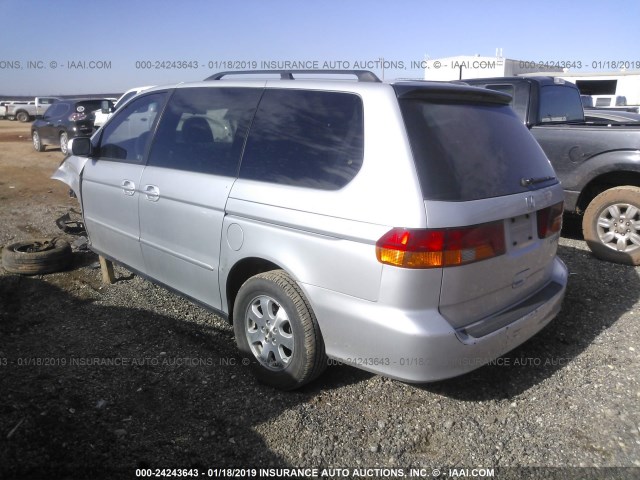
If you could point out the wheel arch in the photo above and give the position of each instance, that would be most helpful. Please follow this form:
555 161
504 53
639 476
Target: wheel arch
604 182
240 273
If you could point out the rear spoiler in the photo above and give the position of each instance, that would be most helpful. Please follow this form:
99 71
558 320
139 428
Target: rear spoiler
450 92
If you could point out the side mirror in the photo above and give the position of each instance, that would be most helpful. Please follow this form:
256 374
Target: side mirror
80 146
106 106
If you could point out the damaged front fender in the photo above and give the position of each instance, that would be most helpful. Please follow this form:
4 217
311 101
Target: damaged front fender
70 173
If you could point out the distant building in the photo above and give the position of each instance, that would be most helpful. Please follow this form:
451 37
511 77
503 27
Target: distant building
467 66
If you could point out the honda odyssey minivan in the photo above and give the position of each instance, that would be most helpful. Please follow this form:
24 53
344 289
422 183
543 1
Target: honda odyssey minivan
409 228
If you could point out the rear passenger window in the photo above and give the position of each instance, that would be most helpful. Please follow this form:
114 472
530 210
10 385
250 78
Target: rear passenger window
305 138
126 136
203 129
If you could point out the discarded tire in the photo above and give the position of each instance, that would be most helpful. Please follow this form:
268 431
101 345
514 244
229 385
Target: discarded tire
34 257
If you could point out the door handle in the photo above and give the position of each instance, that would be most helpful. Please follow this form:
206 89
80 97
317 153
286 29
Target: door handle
152 193
128 187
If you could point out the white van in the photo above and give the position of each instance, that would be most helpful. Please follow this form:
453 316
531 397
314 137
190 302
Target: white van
409 229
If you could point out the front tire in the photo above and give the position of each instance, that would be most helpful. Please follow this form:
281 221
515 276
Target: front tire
276 329
37 142
64 143
611 225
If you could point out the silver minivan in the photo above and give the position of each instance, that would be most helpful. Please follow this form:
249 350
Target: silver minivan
409 228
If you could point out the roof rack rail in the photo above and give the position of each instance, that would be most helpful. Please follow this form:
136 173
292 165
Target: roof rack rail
362 75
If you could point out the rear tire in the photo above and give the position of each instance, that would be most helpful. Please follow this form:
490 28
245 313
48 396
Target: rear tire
611 225
23 117
35 257
276 329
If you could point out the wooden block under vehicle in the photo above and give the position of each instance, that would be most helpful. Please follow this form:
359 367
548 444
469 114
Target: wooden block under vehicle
106 267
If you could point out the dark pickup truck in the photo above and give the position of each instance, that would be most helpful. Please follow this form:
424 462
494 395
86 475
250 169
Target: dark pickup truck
598 163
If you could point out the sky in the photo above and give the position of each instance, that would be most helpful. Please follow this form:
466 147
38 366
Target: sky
68 47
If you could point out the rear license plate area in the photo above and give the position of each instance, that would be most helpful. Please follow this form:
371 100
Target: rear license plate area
520 231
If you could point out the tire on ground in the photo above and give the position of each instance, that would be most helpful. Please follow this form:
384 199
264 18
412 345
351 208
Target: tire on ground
36 257
595 235
307 359
64 143
37 142
22 117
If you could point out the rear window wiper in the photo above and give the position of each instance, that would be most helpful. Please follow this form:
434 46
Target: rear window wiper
525 182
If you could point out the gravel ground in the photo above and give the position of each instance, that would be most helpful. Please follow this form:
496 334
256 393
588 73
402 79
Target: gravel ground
97 381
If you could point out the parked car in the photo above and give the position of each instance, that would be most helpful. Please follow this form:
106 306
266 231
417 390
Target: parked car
615 103
66 119
409 229
597 164
27 111
106 110
587 101
11 105
609 100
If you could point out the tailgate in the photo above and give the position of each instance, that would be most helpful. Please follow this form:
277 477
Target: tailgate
479 290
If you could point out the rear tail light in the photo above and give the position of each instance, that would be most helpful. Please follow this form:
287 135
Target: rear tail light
550 220
74 117
447 247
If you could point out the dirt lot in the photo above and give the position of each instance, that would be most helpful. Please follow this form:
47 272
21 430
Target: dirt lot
98 381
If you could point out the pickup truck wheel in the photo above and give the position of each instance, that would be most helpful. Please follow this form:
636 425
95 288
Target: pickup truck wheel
276 329
611 225
37 143
22 117
35 257
64 143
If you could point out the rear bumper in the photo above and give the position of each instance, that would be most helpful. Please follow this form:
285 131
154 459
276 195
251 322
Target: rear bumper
81 131
421 346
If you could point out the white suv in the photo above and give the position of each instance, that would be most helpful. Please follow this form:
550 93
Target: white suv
409 229
101 116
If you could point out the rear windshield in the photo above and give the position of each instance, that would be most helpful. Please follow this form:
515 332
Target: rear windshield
88 106
471 151
560 104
